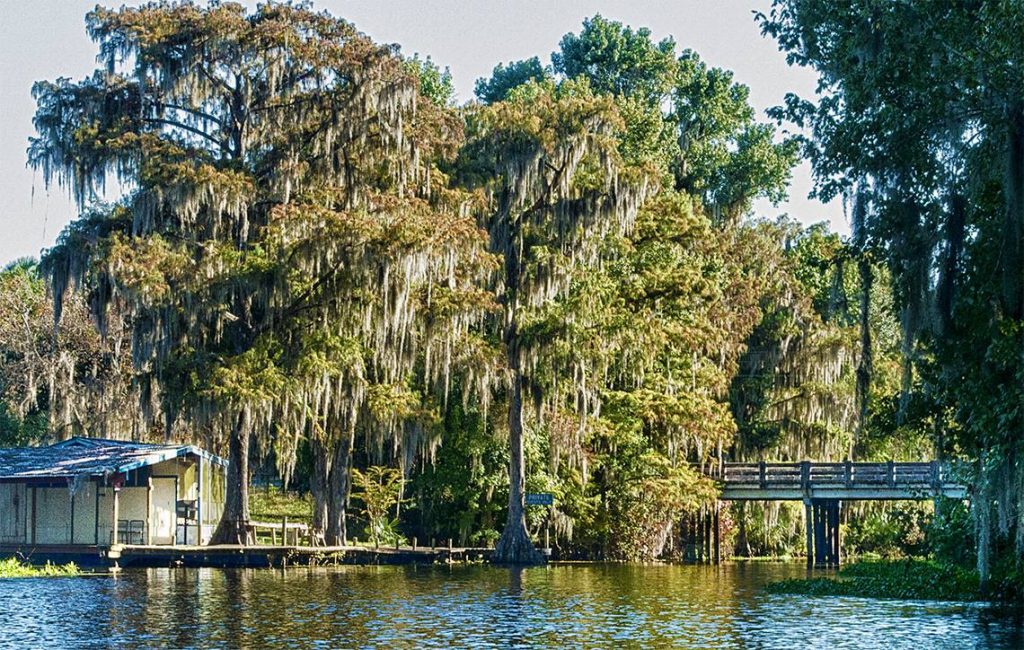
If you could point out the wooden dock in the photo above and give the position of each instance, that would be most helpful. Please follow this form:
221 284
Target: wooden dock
256 556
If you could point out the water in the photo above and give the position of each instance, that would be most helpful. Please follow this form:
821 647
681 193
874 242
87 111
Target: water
590 605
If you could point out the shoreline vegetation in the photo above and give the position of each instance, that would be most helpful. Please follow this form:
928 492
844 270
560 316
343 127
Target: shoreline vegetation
906 579
15 568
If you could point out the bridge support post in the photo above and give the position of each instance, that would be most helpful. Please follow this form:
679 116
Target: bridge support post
819 533
836 542
809 531
825 542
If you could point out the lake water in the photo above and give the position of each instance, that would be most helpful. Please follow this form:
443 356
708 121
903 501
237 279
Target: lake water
585 605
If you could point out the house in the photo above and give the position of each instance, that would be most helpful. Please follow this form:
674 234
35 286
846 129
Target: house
94 493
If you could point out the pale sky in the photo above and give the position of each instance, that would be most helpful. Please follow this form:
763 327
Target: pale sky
46 39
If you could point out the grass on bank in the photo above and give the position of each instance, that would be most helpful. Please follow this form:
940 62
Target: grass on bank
270 504
914 579
15 568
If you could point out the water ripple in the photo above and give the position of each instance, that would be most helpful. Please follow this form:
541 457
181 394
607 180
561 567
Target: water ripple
477 607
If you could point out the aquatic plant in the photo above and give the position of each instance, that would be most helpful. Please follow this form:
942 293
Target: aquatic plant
13 567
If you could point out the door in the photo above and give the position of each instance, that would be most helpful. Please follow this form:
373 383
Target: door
162 514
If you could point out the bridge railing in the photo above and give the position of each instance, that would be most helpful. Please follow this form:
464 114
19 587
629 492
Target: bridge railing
846 474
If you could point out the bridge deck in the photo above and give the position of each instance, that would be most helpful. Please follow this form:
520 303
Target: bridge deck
845 481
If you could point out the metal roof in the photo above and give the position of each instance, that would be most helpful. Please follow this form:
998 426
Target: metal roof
89 457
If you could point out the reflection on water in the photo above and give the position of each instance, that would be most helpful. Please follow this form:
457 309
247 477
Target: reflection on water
590 605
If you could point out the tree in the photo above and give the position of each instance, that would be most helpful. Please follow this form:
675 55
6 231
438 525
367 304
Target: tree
56 382
506 78
726 157
918 119
617 60
435 84
556 184
709 140
284 227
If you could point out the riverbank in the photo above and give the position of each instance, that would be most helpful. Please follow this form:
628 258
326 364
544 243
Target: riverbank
15 568
910 579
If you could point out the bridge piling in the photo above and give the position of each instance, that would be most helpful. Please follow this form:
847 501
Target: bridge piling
823 540
809 531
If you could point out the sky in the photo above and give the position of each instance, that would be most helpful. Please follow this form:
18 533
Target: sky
46 39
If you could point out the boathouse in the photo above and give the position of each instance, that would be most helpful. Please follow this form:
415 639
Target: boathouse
94 493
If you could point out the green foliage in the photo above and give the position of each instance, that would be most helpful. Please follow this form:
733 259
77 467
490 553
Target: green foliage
951 536
435 84
54 381
272 503
889 531
725 156
14 568
617 60
379 489
22 431
506 78
906 579
769 529
461 494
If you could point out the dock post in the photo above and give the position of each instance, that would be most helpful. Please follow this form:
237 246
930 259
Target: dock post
414 544
284 531
809 532
116 515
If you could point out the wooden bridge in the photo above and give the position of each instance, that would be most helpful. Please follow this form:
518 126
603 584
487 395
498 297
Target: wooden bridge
845 481
822 487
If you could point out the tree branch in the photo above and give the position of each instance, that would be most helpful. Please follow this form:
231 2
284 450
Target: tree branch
185 127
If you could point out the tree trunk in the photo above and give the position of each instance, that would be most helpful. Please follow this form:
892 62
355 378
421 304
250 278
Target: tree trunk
340 487
234 522
982 507
319 486
865 367
955 229
1013 223
515 546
